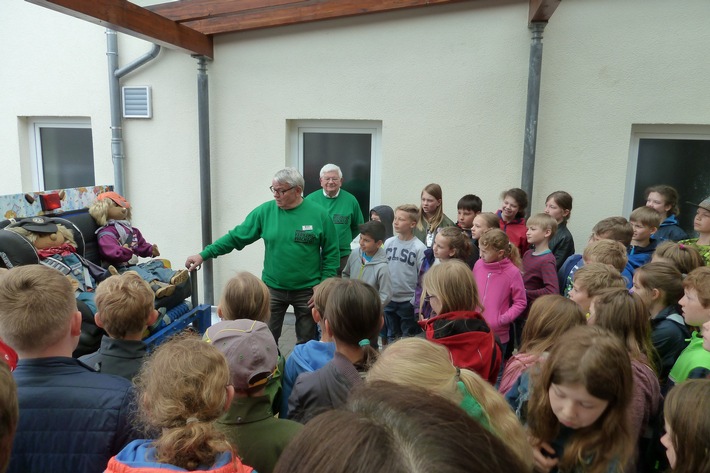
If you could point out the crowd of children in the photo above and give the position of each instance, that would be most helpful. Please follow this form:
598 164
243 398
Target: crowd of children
561 361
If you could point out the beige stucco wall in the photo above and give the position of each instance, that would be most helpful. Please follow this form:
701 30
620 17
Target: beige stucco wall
448 83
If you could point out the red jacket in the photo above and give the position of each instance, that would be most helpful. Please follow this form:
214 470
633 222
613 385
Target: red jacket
469 339
516 231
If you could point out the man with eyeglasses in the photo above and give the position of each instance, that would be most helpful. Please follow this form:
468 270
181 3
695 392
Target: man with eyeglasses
301 250
342 207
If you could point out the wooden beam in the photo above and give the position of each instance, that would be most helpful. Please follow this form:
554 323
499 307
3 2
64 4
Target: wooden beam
187 10
542 10
126 17
287 13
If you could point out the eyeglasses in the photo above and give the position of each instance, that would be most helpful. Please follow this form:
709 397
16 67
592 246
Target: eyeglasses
280 192
429 297
330 179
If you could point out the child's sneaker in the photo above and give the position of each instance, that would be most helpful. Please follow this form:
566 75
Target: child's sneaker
162 289
179 277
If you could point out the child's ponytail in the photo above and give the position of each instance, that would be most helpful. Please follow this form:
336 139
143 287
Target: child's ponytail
685 258
354 314
513 254
458 241
501 418
182 390
190 445
664 277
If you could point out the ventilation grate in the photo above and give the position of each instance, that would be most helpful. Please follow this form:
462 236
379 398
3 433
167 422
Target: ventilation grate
137 102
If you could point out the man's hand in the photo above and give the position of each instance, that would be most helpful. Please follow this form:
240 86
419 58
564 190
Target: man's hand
194 262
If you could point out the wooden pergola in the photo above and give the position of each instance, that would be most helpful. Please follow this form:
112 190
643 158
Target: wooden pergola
189 25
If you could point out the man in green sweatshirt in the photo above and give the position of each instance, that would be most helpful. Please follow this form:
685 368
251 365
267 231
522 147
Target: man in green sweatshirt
341 206
301 250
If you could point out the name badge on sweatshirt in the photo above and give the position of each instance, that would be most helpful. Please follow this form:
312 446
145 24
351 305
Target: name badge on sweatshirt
306 228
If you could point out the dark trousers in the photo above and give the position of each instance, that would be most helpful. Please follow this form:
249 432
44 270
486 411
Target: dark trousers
401 320
305 325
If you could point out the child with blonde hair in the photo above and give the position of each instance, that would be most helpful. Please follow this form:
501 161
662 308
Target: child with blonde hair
458 325
687 437
500 283
590 280
420 363
550 317
609 252
405 253
660 285
245 297
685 258
63 403
125 310
482 223
353 316
645 222
184 387
578 402
611 228
539 271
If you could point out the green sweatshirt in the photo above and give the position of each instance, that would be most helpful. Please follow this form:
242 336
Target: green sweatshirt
346 214
694 356
301 246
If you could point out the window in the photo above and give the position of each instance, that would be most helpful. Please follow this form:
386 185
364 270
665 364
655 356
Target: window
352 145
678 156
62 153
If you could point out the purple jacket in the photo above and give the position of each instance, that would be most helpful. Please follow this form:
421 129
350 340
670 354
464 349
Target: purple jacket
502 293
111 247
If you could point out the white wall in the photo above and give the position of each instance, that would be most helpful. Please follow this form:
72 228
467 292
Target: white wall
449 84
607 66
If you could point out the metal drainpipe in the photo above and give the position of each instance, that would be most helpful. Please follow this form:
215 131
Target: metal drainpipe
203 118
114 87
533 106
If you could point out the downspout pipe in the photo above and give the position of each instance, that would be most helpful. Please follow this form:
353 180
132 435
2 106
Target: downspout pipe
203 119
114 86
533 107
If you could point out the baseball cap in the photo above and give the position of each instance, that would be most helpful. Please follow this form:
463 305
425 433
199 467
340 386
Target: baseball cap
118 199
249 348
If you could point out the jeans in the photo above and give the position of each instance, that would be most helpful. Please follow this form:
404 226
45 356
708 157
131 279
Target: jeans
150 271
305 325
401 320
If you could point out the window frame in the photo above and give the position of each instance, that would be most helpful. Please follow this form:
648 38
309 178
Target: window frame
35 126
658 132
372 127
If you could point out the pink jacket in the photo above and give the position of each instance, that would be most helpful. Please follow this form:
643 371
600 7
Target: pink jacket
514 367
502 293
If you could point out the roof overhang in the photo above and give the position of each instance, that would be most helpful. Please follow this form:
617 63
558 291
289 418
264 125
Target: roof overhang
188 25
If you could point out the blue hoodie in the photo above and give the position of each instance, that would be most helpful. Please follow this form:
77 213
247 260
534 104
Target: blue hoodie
304 358
670 230
139 455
